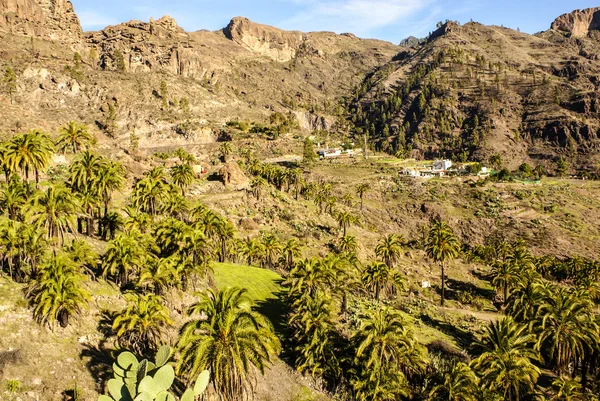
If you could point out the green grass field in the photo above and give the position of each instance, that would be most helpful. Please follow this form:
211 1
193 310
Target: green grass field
262 284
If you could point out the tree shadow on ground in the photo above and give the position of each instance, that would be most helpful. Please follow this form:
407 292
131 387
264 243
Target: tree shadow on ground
480 275
455 286
463 338
98 360
276 310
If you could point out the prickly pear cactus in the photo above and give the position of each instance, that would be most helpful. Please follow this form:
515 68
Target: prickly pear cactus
148 381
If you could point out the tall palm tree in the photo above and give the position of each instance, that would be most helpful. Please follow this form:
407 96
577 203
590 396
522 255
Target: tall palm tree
442 246
225 235
505 276
257 184
74 136
272 247
151 193
29 152
389 249
110 178
183 176
385 348
460 384
378 277
291 249
228 338
142 325
525 299
345 219
252 250
506 361
57 293
361 190
54 211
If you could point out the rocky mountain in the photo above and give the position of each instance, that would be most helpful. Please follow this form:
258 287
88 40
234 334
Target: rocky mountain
246 71
472 91
465 92
579 22
48 19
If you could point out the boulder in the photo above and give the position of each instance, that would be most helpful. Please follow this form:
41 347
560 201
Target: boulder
233 177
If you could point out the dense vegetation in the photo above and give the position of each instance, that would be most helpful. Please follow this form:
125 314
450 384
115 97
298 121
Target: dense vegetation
347 321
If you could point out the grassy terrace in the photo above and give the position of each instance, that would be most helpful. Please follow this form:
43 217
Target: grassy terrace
262 284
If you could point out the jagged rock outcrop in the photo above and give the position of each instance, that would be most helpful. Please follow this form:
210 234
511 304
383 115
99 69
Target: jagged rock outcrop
579 22
47 19
274 43
147 46
411 41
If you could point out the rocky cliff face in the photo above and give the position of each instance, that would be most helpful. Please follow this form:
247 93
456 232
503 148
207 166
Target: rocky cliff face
147 46
579 22
47 19
274 43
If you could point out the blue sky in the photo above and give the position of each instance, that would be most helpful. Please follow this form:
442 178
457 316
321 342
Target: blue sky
390 20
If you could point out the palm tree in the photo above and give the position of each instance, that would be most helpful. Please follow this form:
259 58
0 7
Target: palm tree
272 247
29 152
141 326
459 384
257 184
159 274
310 277
228 338
84 171
313 334
389 249
13 197
347 244
346 219
75 136
182 175
297 177
290 251
57 294
124 257
225 150
567 390
564 329
110 178
378 277
386 351
442 246
524 301
505 276
151 193
361 190
11 245
253 250
505 364
54 211
82 254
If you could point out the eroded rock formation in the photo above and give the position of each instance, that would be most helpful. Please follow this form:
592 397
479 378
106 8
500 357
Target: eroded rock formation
579 22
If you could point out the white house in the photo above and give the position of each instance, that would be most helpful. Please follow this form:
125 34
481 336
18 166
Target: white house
325 153
442 165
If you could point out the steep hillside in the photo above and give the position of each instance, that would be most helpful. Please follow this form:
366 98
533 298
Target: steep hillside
172 86
472 91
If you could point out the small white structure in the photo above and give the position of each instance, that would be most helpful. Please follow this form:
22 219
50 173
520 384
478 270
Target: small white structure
425 284
59 159
442 165
326 153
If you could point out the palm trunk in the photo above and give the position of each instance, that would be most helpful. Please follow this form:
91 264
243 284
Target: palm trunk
37 179
443 281
377 291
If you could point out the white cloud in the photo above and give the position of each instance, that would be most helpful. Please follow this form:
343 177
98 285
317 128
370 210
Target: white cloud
357 16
